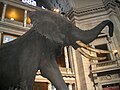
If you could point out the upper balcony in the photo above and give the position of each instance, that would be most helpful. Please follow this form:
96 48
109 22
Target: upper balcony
105 66
67 74
13 18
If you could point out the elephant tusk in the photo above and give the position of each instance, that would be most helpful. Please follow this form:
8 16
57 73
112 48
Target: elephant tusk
81 44
90 57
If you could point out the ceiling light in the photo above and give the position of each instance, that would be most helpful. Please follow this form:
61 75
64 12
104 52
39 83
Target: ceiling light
43 7
56 10
115 52
12 19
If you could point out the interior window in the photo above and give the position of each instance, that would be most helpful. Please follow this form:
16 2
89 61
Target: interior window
14 13
103 47
8 37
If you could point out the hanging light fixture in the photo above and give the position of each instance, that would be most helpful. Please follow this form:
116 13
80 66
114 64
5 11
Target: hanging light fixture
56 10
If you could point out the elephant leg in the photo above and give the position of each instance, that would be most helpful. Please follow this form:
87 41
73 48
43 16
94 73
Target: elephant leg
27 83
27 77
14 88
51 71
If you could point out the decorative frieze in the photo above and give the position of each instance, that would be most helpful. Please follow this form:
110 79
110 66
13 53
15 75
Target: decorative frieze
107 63
105 66
107 6
109 77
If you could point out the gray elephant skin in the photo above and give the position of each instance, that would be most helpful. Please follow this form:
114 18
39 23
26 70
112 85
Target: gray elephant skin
38 48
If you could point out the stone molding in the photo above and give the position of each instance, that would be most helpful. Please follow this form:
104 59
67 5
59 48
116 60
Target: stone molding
109 77
107 5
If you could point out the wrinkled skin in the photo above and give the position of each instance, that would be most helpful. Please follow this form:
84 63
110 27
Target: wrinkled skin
38 49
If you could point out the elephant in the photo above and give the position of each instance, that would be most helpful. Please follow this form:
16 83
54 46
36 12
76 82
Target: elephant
38 48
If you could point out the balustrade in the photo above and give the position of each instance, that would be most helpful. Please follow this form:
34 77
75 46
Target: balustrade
106 65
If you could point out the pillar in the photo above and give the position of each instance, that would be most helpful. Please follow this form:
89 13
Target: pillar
25 19
66 57
71 58
49 86
70 86
76 69
3 13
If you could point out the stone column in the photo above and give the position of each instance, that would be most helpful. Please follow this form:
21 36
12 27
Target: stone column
100 87
25 19
66 57
71 58
76 69
70 86
49 86
4 11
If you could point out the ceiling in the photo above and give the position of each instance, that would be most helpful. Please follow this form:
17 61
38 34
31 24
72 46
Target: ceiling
65 5
62 5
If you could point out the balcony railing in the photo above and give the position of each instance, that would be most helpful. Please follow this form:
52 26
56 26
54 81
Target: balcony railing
107 65
64 71
67 72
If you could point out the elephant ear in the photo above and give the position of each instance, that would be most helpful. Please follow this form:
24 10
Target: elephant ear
46 26
50 30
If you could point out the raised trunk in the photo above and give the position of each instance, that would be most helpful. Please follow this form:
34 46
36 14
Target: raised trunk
90 35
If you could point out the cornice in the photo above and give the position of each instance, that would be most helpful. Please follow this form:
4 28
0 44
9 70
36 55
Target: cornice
107 6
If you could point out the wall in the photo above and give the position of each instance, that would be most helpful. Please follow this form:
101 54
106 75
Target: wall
84 3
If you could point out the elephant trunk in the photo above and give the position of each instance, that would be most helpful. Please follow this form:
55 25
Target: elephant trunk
92 34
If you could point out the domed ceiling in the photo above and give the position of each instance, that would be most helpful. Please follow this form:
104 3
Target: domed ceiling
62 5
